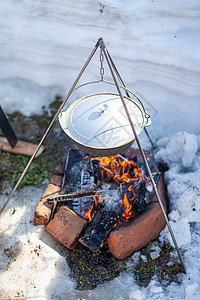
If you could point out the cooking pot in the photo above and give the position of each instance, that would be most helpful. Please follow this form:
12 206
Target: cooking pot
98 124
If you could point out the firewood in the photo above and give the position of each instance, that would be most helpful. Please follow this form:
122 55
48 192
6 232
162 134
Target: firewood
21 147
101 225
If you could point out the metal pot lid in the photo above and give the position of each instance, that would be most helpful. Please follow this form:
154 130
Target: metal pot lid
99 120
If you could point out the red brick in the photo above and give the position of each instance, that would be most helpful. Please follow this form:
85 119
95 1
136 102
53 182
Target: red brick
56 180
66 227
43 210
139 231
59 170
131 152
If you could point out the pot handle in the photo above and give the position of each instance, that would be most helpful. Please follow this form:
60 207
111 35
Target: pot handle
147 119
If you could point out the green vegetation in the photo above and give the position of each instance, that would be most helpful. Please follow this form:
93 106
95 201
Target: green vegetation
13 165
31 129
90 268
162 267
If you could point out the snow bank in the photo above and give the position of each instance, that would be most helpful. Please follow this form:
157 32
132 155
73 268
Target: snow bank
154 44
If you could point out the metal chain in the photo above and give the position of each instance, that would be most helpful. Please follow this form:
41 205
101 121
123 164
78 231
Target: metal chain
101 64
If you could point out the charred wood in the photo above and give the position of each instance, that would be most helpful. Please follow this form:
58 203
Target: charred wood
101 225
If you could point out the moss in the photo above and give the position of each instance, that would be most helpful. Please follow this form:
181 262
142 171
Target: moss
32 129
90 268
160 267
13 165
55 104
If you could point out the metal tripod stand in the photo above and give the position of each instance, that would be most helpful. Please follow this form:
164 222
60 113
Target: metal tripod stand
100 43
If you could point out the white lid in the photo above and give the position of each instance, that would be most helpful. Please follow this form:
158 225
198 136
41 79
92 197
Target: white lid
100 121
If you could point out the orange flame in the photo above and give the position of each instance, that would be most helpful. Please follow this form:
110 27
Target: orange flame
97 198
88 214
121 171
128 213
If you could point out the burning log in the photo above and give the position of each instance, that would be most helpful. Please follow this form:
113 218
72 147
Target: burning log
129 174
101 225
78 172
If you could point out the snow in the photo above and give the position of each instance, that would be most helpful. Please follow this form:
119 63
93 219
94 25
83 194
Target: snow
155 45
183 188
180 150
188 205
155 253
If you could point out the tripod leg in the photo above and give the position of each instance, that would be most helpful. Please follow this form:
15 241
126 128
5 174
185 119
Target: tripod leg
52 123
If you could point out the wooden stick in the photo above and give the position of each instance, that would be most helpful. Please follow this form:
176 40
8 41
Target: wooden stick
21 147
72 195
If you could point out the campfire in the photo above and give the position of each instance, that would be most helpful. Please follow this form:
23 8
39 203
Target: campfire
101 194
120 184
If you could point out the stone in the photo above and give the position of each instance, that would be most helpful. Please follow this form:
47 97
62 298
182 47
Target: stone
66 227
43 210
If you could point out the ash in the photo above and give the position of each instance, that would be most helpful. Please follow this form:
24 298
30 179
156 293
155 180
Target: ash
79 177
112 197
